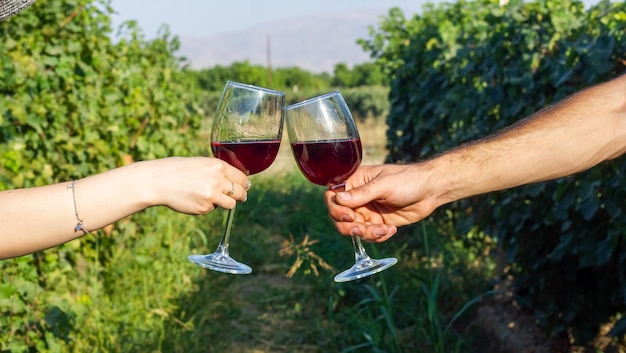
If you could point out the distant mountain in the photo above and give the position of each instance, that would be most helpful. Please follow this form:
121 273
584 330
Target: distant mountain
313 43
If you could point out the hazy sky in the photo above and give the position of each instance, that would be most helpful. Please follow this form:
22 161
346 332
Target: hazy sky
207 17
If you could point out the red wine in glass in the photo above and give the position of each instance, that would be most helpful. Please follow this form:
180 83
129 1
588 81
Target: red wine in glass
330 162
251 157
246 133
326 145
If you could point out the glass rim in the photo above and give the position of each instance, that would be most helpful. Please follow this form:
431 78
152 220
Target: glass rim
255 88
310 100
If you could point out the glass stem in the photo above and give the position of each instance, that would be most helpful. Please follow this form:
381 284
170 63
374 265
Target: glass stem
223 246
359 252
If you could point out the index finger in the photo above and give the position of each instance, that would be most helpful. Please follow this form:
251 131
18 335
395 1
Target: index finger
336 211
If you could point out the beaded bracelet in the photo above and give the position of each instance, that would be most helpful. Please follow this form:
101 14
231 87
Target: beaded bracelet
80 225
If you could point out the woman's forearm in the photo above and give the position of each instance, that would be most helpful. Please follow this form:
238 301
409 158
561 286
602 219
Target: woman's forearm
42 217
33 219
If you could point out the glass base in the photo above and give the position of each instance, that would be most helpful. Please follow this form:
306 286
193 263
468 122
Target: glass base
217 261
365 268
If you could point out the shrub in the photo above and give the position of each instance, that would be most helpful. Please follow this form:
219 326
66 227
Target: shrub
466 69
73 103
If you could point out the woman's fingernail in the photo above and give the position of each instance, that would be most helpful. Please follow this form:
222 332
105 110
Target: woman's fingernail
355 232
345 196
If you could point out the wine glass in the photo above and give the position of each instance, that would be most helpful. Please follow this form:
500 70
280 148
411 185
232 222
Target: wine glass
325 143
246 133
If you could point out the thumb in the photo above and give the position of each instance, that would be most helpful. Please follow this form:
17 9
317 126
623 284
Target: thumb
356 197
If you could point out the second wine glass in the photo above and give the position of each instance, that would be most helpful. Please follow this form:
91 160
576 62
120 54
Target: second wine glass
326 145
246 133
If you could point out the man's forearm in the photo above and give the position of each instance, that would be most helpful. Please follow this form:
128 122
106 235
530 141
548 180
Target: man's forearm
571 136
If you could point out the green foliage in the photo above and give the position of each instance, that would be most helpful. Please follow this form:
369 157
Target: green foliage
295 78
388 312
466 69
389 40
365 87
144 296
213 79
73 103
367 102
290 78
367 74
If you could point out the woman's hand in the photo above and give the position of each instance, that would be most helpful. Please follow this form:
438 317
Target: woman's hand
196 185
